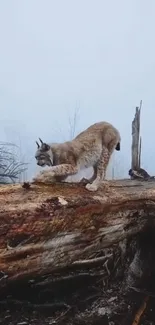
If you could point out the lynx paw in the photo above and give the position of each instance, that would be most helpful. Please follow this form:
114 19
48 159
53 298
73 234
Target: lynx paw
44 177
39 178
92 187
44 172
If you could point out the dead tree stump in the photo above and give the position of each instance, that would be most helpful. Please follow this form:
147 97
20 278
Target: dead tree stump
136 140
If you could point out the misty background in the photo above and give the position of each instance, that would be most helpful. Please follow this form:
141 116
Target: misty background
93 57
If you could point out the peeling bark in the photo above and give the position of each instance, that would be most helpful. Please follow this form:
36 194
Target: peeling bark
48 227
60 237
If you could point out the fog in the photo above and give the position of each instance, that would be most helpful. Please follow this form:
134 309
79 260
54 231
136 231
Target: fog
57 57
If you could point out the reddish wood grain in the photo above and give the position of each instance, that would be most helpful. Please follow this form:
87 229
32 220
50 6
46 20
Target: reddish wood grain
46 227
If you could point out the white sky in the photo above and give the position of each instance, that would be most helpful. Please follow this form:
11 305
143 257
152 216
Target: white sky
97 55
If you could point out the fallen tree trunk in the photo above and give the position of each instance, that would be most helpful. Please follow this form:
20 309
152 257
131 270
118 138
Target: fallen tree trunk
55 234
48 227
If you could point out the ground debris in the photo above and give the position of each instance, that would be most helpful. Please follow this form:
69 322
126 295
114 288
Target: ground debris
26 185
140 312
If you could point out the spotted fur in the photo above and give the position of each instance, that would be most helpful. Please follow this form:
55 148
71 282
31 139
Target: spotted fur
91 148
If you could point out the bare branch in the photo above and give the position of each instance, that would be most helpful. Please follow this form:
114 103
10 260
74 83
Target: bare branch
73 122
11 167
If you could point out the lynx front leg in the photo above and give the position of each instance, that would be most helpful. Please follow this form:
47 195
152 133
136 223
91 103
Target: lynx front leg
60 171
101 170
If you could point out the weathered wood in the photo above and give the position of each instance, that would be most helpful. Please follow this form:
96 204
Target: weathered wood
136 141
139 153
46 228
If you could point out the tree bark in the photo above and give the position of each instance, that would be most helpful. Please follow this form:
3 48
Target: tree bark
58 235
49 227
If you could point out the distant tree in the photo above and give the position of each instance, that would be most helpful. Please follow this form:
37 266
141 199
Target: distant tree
73 121
11 166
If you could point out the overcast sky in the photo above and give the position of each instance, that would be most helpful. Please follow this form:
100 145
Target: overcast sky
96 55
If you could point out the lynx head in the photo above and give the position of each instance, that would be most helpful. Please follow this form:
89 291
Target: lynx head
44 155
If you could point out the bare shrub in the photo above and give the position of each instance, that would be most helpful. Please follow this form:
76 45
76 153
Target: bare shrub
11 164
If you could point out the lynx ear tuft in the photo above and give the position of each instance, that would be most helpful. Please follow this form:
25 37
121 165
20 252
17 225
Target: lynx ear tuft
37 144
44 146
41 141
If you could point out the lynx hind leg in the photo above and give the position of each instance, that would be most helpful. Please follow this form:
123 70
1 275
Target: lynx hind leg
101 170
92 178
94 174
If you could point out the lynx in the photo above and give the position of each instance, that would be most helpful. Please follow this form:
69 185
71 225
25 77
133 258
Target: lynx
91 148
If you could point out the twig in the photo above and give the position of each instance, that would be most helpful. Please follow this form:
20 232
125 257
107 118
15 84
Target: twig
53 306
7 175
93 261
148 293
106 266
140 311
66 278
62 315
